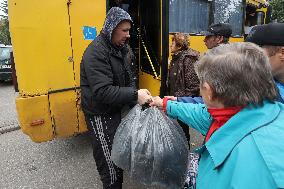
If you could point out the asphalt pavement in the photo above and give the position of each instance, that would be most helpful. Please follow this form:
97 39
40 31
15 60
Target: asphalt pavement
61 163
8 115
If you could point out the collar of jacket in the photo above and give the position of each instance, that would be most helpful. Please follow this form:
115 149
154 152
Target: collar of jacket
184 53
177 55
280 87
238 127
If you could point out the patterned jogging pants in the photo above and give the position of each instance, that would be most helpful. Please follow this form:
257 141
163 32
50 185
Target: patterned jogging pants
102 129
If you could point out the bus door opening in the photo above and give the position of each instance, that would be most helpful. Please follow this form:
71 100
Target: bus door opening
150 36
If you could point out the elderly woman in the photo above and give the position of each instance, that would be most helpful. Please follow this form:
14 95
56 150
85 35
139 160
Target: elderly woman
240 119
182 78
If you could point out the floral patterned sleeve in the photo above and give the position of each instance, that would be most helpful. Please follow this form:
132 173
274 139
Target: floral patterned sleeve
190 78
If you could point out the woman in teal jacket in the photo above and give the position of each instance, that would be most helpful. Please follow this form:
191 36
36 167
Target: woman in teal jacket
242 123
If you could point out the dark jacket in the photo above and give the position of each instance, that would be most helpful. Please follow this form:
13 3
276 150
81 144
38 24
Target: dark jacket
182 78
106 80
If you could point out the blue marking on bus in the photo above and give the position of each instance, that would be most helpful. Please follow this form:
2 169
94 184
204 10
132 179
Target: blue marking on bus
90 33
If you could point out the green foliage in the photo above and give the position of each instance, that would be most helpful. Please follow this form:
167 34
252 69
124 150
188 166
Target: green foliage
277 10
4 24
4 32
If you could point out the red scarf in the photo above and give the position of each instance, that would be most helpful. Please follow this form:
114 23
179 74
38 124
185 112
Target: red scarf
220 117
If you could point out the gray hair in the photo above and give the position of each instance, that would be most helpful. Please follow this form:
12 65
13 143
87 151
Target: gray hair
238 73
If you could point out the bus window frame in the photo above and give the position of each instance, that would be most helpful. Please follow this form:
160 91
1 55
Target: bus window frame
211 19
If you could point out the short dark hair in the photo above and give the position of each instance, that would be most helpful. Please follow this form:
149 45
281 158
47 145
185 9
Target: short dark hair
272 50
238 73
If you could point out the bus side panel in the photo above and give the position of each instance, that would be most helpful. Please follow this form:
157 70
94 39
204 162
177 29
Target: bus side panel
86 19
42 45
147 81
236 39
35 109
81 119
197 43
64 113
88 15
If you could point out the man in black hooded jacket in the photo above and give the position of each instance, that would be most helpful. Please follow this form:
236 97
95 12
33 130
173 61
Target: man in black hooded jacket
107 87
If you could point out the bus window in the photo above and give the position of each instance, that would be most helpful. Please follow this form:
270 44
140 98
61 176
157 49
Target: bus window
230 12
188 16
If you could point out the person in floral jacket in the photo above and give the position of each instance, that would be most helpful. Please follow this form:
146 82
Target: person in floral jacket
182 79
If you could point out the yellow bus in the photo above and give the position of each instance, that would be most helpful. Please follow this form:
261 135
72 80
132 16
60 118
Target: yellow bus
49 38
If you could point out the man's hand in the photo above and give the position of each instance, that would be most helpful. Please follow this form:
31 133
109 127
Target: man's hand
144 96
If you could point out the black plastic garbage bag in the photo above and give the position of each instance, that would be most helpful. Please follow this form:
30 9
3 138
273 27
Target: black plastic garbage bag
151 148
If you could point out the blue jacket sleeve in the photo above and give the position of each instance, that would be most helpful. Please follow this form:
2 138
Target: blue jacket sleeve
195 115
187 99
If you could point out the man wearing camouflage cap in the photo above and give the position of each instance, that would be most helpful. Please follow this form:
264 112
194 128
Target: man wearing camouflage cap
271 38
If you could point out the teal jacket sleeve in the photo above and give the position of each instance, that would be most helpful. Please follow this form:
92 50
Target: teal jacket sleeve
194 115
